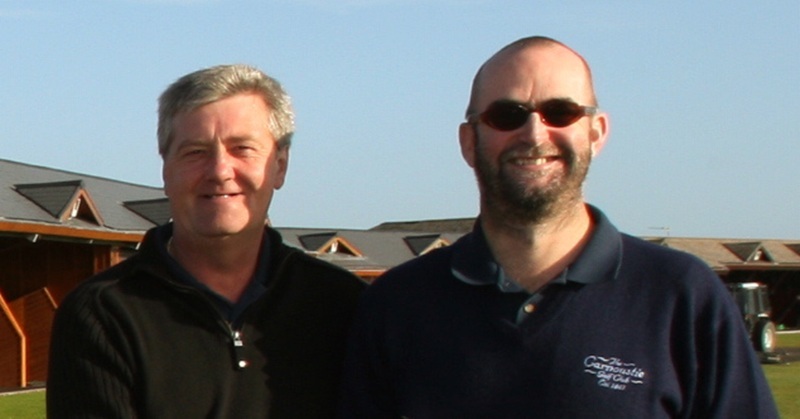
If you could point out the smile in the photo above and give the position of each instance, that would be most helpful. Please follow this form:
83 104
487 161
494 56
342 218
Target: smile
220 196
530 161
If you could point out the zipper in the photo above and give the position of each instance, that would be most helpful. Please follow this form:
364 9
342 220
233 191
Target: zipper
237 342
239 361
238 349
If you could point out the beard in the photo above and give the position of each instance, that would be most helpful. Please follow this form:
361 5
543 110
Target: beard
514 199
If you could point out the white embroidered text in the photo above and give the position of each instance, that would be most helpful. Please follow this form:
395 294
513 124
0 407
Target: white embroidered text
612 373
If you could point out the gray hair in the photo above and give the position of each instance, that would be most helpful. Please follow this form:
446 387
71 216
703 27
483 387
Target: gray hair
216 83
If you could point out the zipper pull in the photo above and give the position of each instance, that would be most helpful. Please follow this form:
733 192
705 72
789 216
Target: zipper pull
238 349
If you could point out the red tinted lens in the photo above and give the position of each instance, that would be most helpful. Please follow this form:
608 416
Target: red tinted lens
559 113
505 116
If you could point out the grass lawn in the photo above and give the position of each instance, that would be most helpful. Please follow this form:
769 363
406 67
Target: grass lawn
784 379
23 406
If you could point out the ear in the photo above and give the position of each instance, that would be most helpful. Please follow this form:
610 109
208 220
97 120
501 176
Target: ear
164 176
281 166
467 139
598 132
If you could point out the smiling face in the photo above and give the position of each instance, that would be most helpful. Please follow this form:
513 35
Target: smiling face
535 171
222 168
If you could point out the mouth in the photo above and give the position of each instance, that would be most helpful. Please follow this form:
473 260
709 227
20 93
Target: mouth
220 196
532 161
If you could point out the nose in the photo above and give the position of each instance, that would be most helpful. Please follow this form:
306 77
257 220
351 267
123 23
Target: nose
534 131
220 165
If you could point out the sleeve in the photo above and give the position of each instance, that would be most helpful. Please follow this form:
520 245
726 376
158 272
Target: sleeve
367 390
88 375
730 379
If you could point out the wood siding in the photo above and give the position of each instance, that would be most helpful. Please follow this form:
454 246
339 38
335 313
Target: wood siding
34 315
35 275
12 349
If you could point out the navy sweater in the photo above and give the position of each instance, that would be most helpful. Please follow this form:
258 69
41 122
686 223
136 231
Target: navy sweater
631 329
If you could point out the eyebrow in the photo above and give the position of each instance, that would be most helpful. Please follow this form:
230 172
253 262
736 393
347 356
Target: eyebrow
238 139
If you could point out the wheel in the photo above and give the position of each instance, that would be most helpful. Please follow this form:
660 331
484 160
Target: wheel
764 336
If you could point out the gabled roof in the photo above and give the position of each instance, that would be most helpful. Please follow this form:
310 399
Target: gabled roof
749 251
328 242
315 241
40 200
376 250
729 254
422 244
63 200
795 247
53 197
157 211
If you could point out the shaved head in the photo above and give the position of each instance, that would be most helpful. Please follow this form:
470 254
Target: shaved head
515 48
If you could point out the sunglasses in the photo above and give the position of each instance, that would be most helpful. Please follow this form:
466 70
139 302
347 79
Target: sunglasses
507 115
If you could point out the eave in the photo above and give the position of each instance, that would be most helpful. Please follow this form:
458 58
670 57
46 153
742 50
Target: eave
67 232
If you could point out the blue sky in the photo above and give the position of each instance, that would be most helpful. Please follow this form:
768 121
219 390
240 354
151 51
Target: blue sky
703 99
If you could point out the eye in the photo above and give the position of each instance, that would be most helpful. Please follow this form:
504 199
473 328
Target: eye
244 148
192 152
241 150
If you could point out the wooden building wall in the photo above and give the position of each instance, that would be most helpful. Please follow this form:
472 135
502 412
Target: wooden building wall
27 266
12 349
34 277
34 314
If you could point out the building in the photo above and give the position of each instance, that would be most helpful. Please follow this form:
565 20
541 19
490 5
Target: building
56 229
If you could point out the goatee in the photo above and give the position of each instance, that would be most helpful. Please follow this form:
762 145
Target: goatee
512 198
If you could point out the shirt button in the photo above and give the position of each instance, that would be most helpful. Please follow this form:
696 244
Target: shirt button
529 308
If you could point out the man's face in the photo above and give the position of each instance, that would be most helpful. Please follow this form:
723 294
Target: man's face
222 168
536 170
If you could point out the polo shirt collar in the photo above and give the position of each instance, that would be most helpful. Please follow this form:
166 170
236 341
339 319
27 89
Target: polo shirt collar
600 259
232 311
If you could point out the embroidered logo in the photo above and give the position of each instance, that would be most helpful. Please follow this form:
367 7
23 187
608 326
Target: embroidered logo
612 373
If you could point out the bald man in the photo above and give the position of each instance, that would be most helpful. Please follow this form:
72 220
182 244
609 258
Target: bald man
545 309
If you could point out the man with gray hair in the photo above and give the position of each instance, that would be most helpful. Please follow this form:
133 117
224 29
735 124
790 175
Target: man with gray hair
214 316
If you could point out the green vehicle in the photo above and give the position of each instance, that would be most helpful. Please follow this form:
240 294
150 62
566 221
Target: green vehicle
753 300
